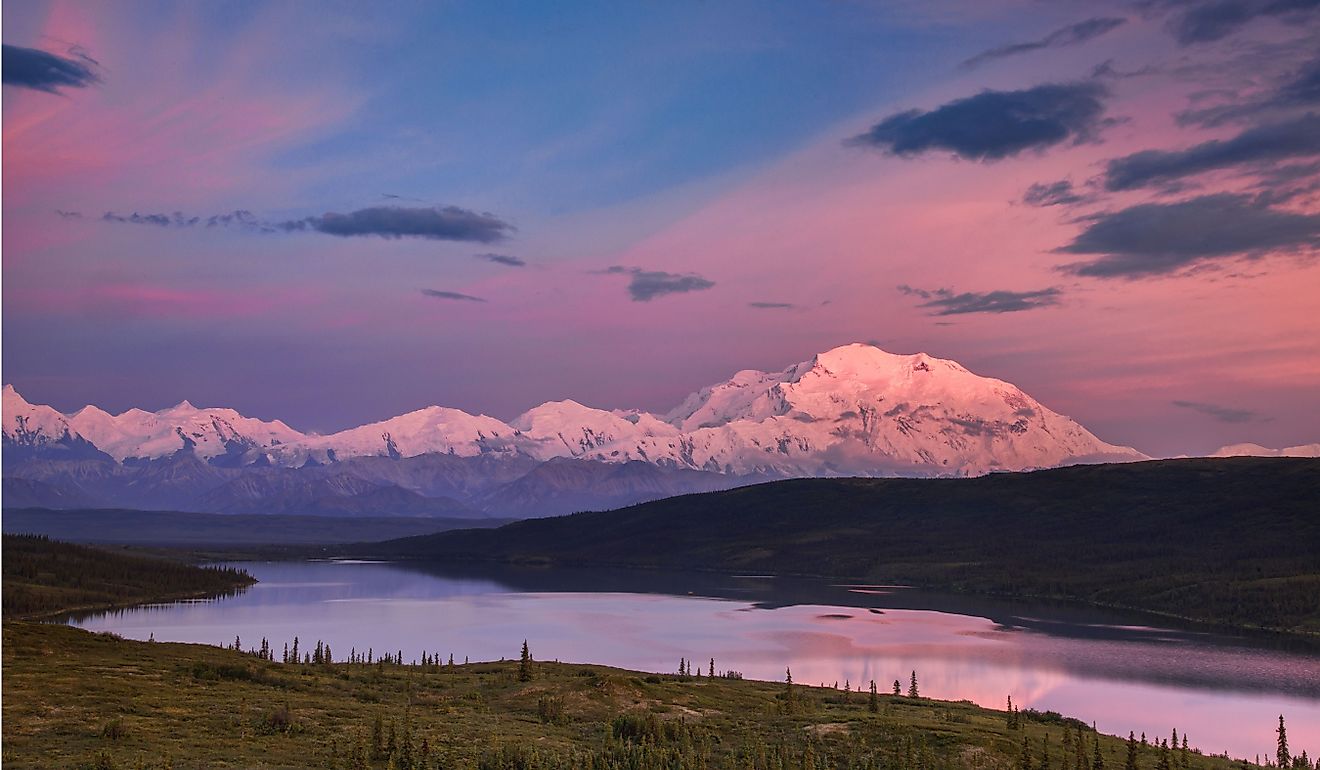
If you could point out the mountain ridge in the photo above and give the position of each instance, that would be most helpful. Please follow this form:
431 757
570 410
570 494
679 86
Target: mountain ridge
852 410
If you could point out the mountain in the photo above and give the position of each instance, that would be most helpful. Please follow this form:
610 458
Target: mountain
1256 450
855 410
32 431
1219 540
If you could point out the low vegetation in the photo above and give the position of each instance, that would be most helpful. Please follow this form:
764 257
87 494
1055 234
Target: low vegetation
75 699
1231 542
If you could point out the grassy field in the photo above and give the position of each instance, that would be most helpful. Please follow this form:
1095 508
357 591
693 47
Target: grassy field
76 699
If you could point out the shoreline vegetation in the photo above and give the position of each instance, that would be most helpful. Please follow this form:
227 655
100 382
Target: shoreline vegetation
46 578
168 705
1228 544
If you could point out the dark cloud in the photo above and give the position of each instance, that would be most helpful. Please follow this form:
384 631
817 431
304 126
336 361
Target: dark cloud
1211 20
439 223
943 302
43 71
995 124
447 223
69 214
1073 34
1152 239
1299 137
646 285
453 295
1058 193
1297 89
772 305
502 259
1221 413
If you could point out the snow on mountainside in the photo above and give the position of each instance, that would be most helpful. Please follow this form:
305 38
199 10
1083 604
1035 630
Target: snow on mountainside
36 431
210 433
853 410
1256 450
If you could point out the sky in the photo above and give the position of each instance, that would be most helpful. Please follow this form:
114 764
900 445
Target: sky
332 213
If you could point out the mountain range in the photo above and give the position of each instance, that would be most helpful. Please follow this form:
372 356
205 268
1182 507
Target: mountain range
854 410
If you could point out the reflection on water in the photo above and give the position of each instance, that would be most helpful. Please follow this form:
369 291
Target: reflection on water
1121 671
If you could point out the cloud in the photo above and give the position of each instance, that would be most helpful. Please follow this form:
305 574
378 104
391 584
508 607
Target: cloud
1211 20
449 223
453 295
1152 239
1058 193
1073 34
1298 137
1221 413
646 285
772 305
1300 90
944 302
502 259
994 124
43 71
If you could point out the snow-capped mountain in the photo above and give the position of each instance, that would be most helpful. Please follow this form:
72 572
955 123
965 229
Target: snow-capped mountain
209 433
1256 450
853 410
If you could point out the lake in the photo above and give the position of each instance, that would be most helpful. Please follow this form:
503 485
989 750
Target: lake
1124 672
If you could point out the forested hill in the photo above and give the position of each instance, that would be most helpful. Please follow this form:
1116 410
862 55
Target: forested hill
45 577
1232 541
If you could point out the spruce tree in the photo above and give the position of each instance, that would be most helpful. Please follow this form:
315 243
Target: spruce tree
1281 754
712 668
1163 763
898 688
1024 759
1131 762
1097 759
873 705
525 664
1008 718
912 687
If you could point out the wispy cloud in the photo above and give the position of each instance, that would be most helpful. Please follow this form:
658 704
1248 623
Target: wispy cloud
1209 20
502 259
43 71
945 302
1221 413
772 305
1073 34
451 295
995 124
1060 193
449 223
646 285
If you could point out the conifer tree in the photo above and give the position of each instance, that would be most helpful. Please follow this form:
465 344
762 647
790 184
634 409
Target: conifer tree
1281 755
1024 759
1184 755
712 668
1163 763
897 688
1131 763
1044 753
1008 719
1097 759
912 687
525 664
873 705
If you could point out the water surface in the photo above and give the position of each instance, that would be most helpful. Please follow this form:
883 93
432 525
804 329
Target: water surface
1122 671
